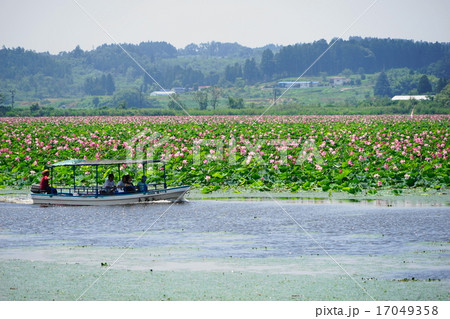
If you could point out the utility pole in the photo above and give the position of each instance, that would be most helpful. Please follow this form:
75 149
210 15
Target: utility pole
276 92
12 97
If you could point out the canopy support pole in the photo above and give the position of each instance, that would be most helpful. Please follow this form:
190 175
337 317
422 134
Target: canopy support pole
51 181
96 180
164 172
73 172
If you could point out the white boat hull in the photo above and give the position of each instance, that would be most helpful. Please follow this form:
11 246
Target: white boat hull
173 194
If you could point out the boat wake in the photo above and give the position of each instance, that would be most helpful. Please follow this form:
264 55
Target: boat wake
16 199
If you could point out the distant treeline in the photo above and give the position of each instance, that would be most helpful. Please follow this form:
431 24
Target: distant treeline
374 107
78 73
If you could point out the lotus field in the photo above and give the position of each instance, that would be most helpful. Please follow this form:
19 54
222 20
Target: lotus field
270 153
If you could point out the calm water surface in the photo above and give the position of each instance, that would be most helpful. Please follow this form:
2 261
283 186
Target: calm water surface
224 228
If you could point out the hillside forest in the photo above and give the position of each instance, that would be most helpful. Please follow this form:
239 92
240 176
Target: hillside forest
214 76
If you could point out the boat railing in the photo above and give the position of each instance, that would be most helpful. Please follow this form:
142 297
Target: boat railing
78 190
92 190
155 185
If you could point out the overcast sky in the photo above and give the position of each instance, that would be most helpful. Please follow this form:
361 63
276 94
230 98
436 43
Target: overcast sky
61 25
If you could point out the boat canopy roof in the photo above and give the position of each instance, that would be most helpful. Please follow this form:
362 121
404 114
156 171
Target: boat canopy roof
80 162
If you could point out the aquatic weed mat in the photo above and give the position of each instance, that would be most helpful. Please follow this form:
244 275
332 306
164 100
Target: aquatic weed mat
383 198
55 273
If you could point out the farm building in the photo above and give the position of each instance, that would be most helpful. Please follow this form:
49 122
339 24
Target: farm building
179 90
162 93
410 97
338 80
298 84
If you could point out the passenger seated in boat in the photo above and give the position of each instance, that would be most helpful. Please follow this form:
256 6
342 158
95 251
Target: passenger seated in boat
129 187
109 186
121 184
142 186
45 187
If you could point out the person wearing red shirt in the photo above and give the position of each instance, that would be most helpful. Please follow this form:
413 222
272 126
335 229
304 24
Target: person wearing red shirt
45 186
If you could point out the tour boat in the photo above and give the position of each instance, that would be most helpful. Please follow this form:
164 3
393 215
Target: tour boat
95 195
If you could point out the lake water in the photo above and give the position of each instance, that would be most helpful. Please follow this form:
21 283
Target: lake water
226 228
224 250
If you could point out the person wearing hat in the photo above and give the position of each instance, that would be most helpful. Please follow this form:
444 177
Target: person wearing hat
45 187
142 186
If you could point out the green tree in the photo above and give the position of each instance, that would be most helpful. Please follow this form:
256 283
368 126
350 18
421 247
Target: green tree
441 84
34 107
122 104
202 99
131 98
99 86
443 97
3 108
2 104
250 72
175 102
346 73
215 94
382 86
424 85
110 86
267 64
88 86
77 52
232 72
95 101
235 103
